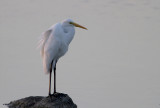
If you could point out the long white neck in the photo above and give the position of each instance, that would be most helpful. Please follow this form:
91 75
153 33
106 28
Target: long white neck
69 32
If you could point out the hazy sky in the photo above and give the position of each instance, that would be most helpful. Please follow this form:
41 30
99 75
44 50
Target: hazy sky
114 64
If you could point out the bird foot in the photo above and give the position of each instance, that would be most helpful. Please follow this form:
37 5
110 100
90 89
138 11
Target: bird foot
49 96
55 94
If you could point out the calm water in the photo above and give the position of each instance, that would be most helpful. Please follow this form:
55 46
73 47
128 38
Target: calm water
115 64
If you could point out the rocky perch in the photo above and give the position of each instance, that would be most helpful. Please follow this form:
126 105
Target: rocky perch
58 100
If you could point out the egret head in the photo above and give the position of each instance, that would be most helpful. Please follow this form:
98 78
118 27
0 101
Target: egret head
71 22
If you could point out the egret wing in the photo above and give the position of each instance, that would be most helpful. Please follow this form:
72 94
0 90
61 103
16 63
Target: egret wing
43 39
51 48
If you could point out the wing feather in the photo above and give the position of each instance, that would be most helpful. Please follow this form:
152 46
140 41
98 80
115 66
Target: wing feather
43 39
50 47
50 54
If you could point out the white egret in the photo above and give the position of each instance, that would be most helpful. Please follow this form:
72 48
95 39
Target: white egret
54 44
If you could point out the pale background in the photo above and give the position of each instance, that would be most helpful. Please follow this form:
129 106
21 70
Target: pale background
115 64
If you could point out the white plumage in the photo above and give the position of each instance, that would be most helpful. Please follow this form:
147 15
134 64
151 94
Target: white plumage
55 41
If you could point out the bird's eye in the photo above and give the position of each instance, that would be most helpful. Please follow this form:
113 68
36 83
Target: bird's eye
71 23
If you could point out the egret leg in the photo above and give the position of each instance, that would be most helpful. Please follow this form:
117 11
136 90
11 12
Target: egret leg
50 75
55 78
50 83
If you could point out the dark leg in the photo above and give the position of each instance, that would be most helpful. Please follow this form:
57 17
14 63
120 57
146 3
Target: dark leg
55 78
50 83
50 75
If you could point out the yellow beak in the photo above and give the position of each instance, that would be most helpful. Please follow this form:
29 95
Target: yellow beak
77 25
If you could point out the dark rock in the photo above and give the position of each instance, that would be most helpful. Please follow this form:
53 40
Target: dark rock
58 100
